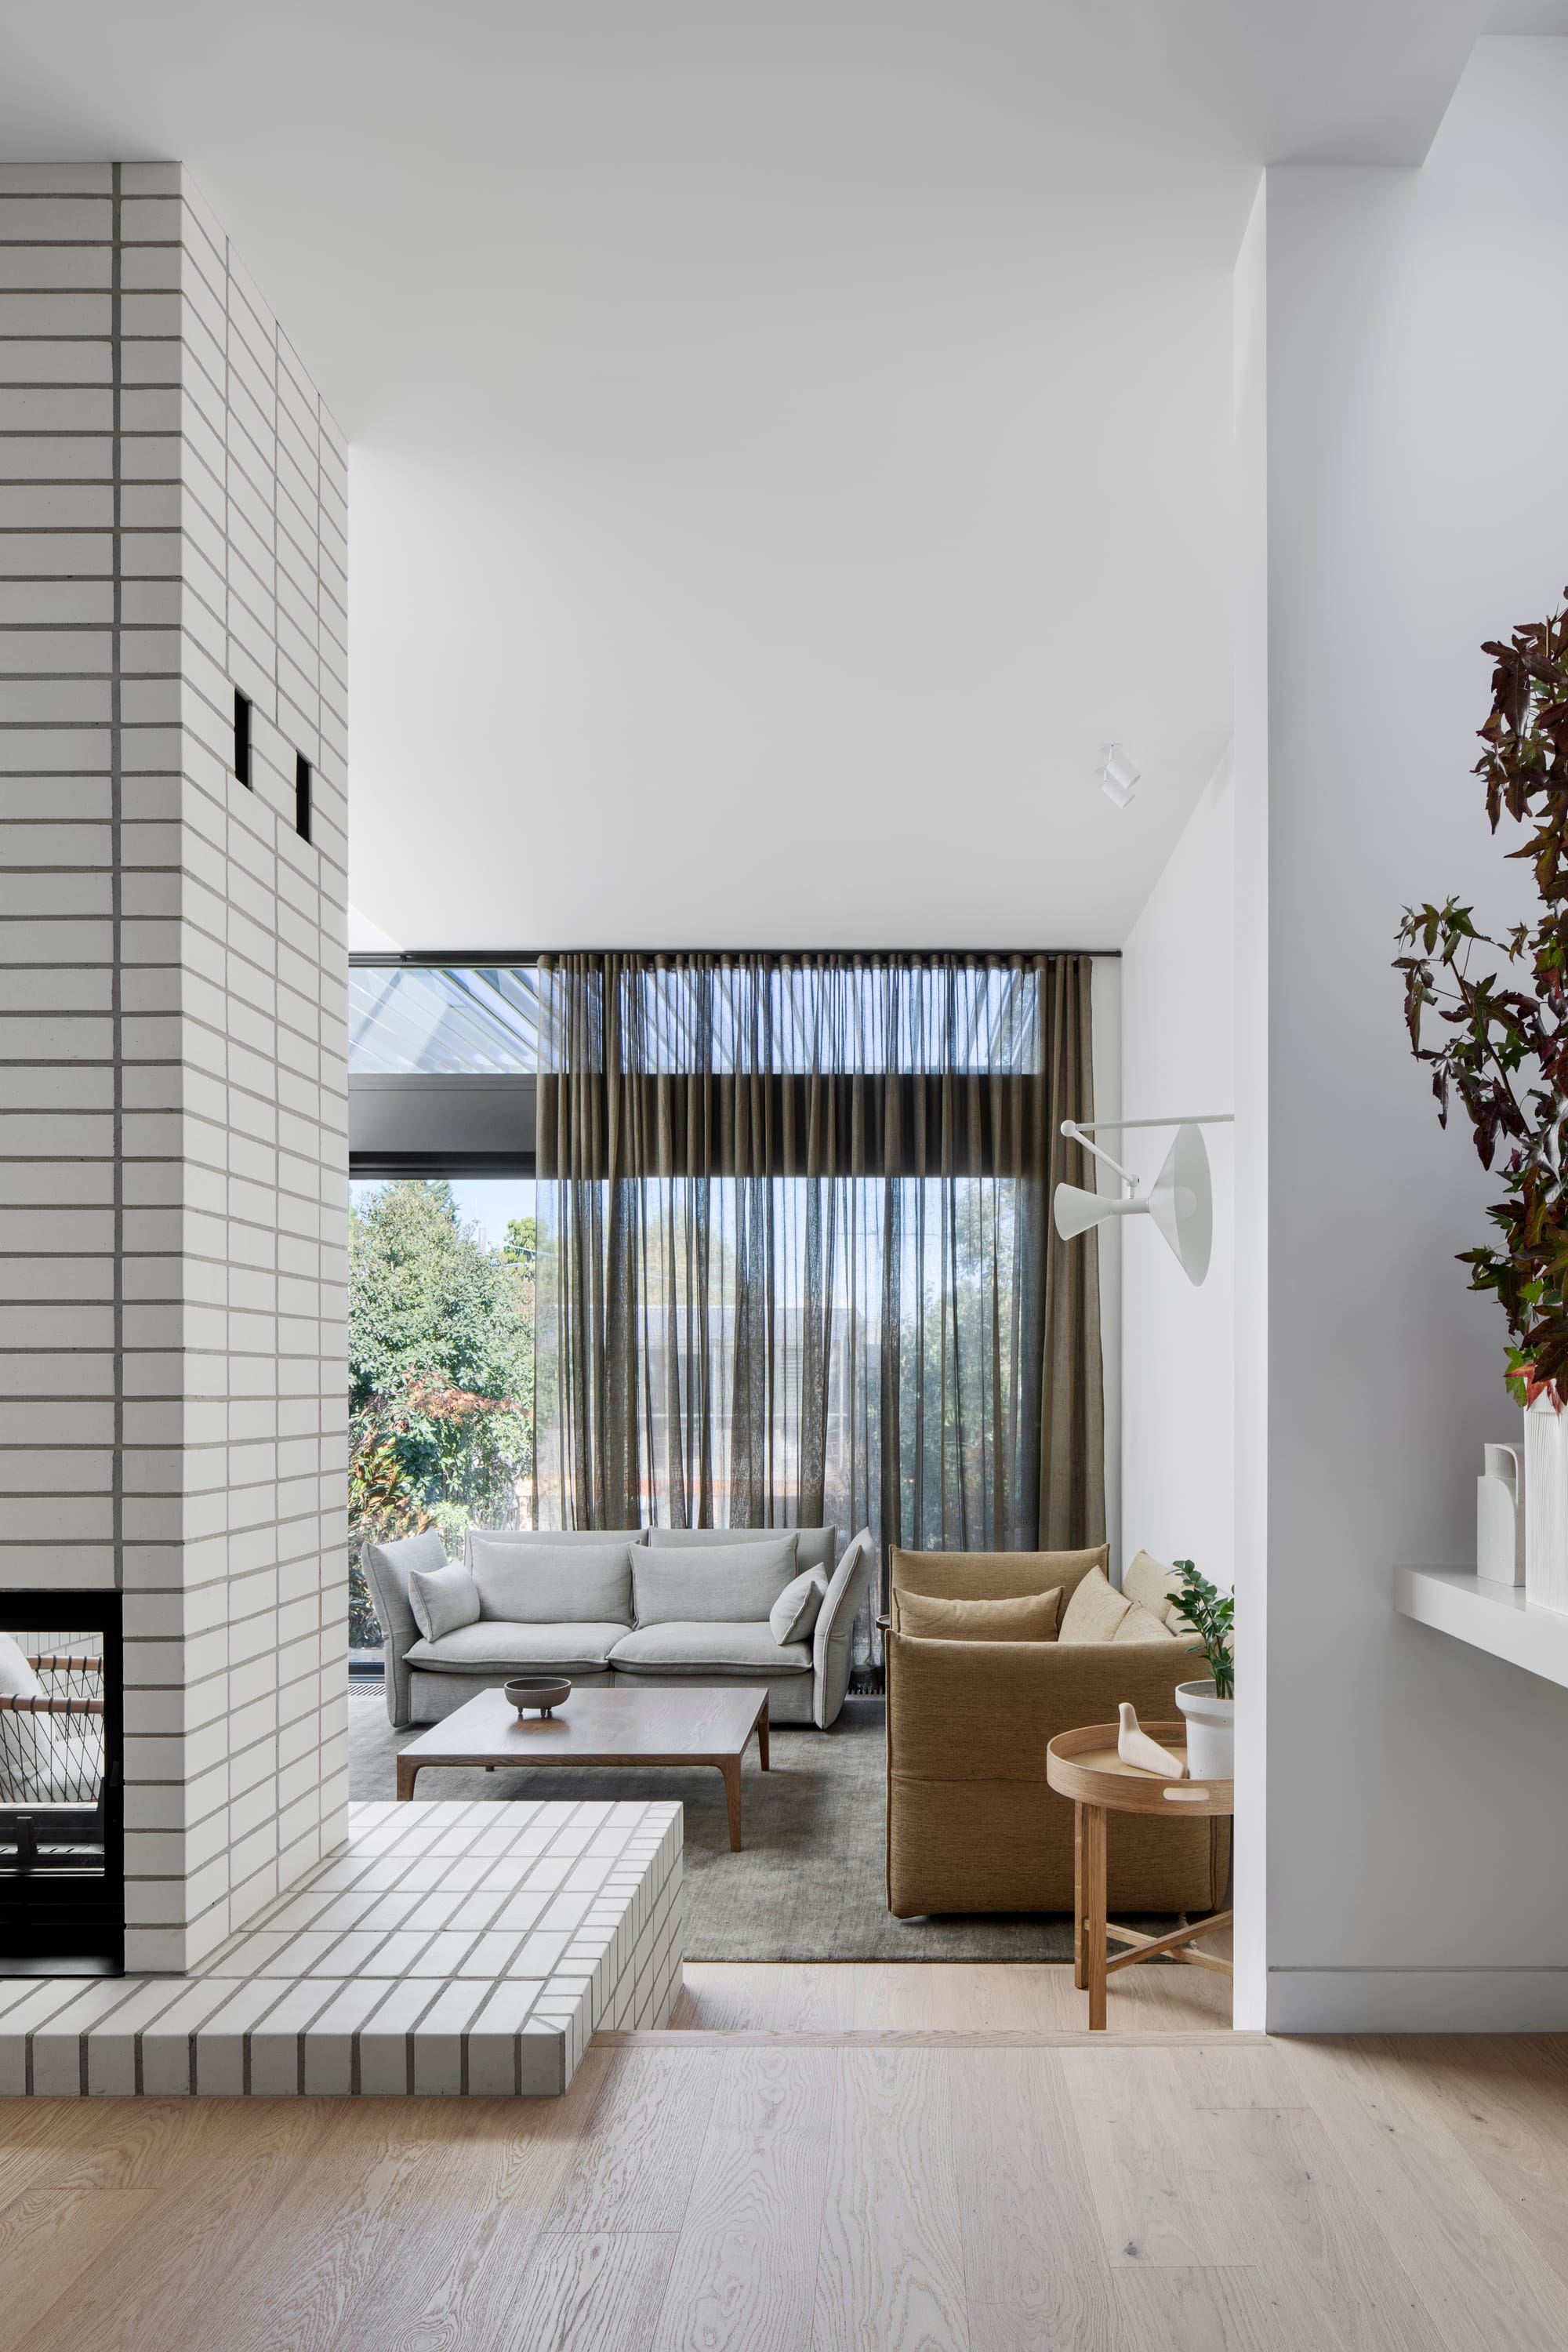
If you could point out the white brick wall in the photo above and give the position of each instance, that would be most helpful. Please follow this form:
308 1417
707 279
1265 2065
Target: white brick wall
172 980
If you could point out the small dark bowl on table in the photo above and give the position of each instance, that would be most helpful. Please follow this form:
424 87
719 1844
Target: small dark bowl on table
543 1692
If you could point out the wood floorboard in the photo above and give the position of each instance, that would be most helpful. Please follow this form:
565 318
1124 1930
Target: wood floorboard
762 2192
591 2291
728 1996
1488 2092
1432 2203
745 2270
634 2169
890 2272
1155 2175
1322 2252
1228 2309
50 2240
1034 2263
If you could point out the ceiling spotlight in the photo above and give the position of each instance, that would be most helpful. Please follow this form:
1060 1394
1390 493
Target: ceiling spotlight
1118 776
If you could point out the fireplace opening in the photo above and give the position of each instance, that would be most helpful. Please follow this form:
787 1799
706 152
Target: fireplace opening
62 1846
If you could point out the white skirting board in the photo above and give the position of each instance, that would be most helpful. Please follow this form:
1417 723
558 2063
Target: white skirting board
1417 2000
446 1950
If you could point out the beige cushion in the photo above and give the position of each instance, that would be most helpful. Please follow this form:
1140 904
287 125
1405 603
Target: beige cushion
1095 1611
1141 1625
1032 1617
1150 1582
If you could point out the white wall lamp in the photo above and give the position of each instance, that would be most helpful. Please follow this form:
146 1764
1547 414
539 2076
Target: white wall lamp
1180 1200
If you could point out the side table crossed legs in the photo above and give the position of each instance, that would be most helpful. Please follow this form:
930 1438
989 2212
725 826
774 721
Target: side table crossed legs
1091 1930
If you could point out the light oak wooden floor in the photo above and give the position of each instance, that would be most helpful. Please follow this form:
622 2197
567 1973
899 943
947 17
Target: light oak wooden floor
1220 2194
942 1997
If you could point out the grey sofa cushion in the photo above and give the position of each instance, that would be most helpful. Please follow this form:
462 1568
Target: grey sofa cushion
398 1560
499 1649
572 1537
554 1584
813 1546
707 1646
727 1583
794 1613
442 1598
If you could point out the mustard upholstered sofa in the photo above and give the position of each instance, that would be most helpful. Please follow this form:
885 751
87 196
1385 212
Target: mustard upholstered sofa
972 1823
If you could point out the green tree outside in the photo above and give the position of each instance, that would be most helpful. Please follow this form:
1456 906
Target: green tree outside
440 1374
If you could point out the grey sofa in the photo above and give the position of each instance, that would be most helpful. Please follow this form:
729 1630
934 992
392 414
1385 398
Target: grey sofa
806 1680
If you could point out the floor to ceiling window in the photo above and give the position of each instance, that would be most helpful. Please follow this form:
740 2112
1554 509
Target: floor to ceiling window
441 1292
789 1263
442 1248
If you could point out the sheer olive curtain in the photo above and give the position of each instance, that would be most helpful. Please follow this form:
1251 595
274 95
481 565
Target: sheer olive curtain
796 1256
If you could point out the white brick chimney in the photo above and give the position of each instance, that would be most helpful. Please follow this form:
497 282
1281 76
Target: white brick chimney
173 983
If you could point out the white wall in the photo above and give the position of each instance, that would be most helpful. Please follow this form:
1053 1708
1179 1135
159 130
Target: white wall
1417 502
1105 1004
1178 984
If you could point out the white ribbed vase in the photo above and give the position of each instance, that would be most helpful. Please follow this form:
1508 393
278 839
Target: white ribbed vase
1545 1505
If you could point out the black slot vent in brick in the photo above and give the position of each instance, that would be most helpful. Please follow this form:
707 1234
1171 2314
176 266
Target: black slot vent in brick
304 777
242 737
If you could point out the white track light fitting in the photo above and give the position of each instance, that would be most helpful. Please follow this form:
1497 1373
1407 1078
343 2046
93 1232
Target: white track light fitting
1180 1200
1118 776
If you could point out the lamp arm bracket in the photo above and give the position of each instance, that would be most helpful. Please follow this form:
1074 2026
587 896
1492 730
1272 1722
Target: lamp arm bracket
1076 1134
1114 1126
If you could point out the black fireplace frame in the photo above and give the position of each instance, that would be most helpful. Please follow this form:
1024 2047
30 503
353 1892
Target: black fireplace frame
64 1926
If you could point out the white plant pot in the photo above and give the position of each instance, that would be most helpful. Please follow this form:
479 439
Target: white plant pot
1545 1505
1211 1732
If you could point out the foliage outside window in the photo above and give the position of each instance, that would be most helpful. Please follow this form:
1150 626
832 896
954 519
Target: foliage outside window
441 1376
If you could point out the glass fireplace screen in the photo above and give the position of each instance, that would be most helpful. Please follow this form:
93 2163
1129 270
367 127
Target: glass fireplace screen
61 1880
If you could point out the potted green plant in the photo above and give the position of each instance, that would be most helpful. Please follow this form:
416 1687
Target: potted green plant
1209 1706
1501 1047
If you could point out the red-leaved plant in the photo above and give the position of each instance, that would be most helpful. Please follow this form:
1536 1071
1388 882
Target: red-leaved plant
1505 1050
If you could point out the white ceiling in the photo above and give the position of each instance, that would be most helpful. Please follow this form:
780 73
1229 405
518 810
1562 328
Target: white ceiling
789 437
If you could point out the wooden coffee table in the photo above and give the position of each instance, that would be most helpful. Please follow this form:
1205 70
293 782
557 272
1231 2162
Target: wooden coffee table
700 1724
1084 1765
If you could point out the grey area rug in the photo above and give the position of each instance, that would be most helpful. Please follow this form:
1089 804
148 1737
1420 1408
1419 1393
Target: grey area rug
809 1882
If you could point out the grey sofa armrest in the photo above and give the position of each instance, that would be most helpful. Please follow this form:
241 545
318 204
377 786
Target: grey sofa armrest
834 1625
386 1568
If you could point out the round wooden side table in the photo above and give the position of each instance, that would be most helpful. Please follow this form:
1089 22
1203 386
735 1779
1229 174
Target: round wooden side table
1084 1765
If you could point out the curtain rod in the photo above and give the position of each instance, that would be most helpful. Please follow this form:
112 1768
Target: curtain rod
484 959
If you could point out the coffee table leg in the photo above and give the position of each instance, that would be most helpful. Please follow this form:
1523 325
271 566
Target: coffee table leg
1091 1910
731 1768
408 1771
763 1734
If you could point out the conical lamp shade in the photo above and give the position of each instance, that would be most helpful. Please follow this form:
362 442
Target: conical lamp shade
1181 1203
1076 1211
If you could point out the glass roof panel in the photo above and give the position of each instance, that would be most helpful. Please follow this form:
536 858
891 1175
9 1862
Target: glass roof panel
423 1021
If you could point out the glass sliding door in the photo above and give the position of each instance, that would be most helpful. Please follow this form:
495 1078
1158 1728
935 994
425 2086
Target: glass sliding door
441 1366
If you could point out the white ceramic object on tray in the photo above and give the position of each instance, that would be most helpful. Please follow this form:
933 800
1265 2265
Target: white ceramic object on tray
1499 1516
1134 1745
1211 1732
1545 1505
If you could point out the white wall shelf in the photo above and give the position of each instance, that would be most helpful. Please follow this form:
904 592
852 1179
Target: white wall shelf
1495 1617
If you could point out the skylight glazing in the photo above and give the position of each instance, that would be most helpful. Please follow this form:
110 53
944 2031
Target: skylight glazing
424 1020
